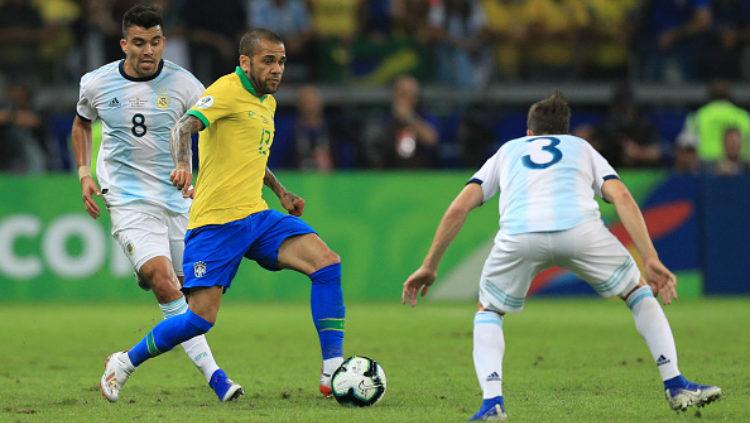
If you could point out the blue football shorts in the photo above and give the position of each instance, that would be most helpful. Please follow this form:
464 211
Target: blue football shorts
213 252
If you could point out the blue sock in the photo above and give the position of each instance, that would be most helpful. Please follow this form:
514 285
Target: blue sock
168 334
676 382
327 305
490 402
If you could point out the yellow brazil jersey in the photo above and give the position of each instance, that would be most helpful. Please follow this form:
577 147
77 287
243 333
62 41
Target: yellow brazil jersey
233 150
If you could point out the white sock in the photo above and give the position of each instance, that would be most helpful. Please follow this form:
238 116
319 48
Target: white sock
125 359
489 347
196 348
331 364
653 326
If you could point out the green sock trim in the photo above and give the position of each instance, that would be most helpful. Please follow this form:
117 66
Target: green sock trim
330 324
151 344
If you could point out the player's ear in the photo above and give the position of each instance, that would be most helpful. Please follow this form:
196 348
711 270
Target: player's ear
245 62
123 43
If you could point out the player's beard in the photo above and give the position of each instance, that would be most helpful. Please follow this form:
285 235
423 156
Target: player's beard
265 86
268 88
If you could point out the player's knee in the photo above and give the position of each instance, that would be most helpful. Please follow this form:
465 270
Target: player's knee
164 285
326 258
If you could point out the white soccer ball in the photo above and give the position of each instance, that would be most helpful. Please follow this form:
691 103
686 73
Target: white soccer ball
359 382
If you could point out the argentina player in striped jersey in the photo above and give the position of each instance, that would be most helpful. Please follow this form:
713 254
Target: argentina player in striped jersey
138 100
548 216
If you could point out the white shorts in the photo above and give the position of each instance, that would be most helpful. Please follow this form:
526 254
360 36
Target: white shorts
148 231
589 250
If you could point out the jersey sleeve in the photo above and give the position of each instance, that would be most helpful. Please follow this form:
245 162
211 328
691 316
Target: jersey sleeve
488 177
212 106
602 171
193 91
85 107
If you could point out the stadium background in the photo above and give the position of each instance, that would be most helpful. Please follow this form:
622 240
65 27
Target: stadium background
637 73
372 194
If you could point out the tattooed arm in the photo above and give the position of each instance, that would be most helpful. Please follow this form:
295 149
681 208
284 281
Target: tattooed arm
292 203
180 144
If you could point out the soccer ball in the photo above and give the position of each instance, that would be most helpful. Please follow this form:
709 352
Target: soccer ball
359 382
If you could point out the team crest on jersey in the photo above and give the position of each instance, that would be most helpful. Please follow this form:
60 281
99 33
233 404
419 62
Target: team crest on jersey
205 102
162 101
199 269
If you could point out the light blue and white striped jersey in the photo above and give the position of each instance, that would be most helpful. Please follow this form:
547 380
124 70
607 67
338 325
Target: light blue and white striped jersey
137 114
546 183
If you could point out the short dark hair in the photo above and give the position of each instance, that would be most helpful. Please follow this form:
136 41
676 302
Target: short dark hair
141 15
251 39
731 129
718 89
550 116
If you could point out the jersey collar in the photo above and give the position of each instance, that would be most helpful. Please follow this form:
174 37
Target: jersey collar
141 79
247 84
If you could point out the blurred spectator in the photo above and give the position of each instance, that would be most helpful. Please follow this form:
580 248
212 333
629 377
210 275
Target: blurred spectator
409 18
391 42
731 164
21 134
104 29
608 38
705 128
730 20
213 30
507 30
311 136
405 138
335 28
58 17
291 20
458 28
674 38
176 49
686 160
21 32
626 137
476 142
553 31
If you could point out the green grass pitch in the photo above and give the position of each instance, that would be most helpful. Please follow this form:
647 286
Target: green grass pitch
577 360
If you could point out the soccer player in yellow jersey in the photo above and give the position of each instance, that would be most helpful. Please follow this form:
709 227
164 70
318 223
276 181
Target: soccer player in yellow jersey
229 218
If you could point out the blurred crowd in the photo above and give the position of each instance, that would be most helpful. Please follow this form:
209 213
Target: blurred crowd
464 43
457 44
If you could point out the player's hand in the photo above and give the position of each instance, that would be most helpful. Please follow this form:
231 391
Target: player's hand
294 204
88 190
421 279
662 281
182 178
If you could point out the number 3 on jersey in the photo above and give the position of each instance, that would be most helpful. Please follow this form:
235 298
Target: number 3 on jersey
538 144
